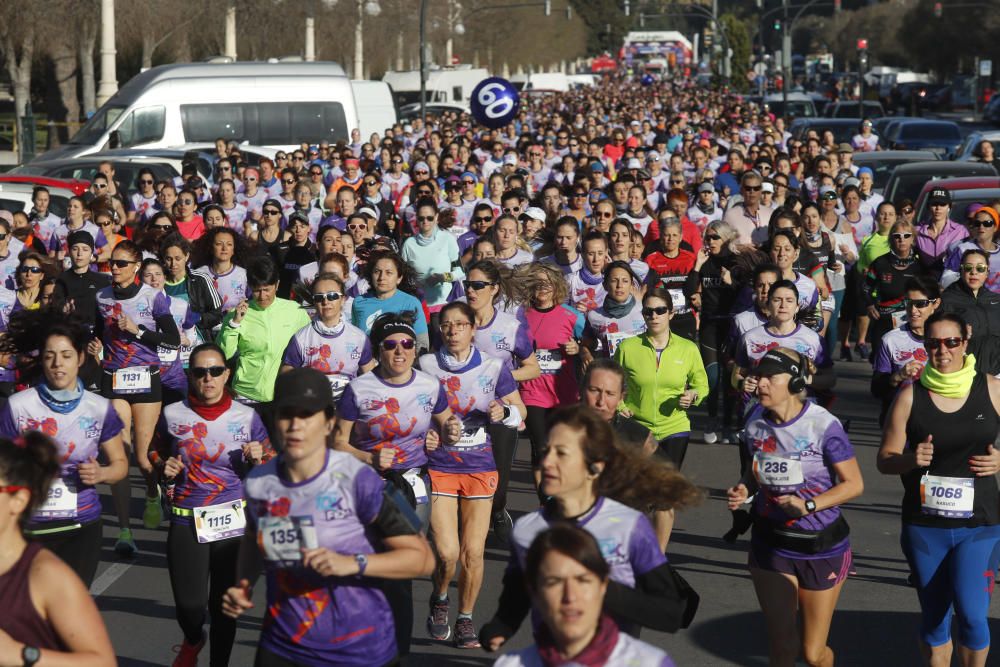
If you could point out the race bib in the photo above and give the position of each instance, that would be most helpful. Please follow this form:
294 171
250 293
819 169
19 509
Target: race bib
417 484
136 380
60 502
779 474
476 438
167 355
337 384
678 300
899 318
282 538
550 361
949 497
219 522
614 340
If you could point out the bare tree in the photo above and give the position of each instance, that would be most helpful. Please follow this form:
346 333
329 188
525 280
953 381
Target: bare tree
18 36
87 44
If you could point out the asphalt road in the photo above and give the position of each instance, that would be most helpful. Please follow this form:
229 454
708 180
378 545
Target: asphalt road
875 623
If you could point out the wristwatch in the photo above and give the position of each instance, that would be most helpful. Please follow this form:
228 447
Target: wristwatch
810 506
362 561
30 655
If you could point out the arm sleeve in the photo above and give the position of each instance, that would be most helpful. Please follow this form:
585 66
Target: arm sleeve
441 404
112 424
368 494
836 446
522 344
366 353
643 547
166 334
506 384
656 601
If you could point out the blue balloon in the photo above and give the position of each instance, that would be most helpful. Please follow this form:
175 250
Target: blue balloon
648 80
494 102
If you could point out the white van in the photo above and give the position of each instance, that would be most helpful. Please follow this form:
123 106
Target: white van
450 84
548 81
376 107
277 105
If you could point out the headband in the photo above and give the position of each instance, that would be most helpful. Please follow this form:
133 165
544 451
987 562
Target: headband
391 328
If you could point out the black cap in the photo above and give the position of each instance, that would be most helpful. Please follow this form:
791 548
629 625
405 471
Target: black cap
304 388
775 363
939 196
80 236
298 216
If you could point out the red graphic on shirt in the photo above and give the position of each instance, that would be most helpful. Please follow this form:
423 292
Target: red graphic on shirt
919 354
452 385
195 451
291 588
763 348
280 507
321 359
49 426
390 428
586 299
769 444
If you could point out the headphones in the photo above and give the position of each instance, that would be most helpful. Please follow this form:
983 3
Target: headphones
594 469
798 382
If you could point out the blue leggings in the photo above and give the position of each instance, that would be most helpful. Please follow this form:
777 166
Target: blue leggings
954 570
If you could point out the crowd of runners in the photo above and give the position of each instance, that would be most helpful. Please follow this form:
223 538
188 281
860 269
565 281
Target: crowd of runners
322 366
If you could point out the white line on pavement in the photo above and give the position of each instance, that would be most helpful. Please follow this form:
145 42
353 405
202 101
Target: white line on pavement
108 577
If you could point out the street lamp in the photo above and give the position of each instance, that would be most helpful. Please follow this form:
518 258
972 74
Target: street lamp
459 29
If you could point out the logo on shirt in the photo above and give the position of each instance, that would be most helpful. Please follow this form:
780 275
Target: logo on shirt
424 401
486 384
238 431
89 426
332 505
500 342
613 551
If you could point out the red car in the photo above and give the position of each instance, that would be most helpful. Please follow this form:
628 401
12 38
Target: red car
15 192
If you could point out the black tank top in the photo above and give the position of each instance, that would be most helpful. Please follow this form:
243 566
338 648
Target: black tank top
20 619
958 436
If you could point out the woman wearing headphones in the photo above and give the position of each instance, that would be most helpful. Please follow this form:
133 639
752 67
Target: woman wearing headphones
803 469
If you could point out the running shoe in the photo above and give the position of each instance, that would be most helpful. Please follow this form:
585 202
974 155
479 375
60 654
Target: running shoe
503 525
465 634
863 351
125 546
153 514
845 353
710 437
437 621
187 654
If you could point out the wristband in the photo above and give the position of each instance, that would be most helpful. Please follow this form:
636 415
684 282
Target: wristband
512 416
233 324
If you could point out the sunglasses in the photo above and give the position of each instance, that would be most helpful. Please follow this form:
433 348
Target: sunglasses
356 226
29 269
829 196
326 296
918 303
605 214
145 181
476 285
907 210
753 188
486 219
280 157
515 209
2 236
985 224
977 268
406 344
649 311
13 488
316 173
186 202
201 372
101 186
422 172
161 228
371 184
250 179
951 343
286 180
119 263
397 162
425 218
713 237
900 236
271 211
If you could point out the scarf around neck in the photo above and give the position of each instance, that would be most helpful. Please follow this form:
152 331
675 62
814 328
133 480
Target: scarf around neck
590 278
427 240
950 385
619 310
452 363
210 412
62 401
324 330
596 654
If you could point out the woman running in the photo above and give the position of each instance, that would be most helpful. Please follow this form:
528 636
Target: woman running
83 426
194 288
327 531
48 614
617 319
599 486
221 255
481 392
567 578
391 291
672 264
803 469
883 290
133 320
939 439
173 361
204 459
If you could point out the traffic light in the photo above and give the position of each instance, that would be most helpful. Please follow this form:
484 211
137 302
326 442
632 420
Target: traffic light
836 5
937 10
777 25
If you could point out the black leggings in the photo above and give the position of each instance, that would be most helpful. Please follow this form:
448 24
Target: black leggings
673 448
199 576
267 659
79 548
712 338
504 442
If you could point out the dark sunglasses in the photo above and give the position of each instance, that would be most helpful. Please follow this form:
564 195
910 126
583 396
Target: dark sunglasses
900 236
486 219
29 269
985 224
713 237
104 223
356 226
753 188
201 372
271 211
476 285
326 296
186 202
649 311
978 268
918 303
830 196
162 228
119 263
286 180
406 344
951 343
145 181
425 218
371 184
316 173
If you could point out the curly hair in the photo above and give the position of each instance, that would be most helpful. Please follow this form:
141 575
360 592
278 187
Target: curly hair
408 278
202 251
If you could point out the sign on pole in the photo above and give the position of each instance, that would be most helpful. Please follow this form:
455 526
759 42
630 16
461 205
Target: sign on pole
985 68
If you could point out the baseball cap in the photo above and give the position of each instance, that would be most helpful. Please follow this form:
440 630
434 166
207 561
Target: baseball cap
844 148
826 189
706 187
596 166
304 388
407 129
939 196
298 216
652 156
510 159
368 211
534 213
850 180
767 186
633 163
80 236
775 363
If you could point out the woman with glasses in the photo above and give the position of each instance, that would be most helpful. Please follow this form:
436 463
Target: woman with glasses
983 226
977 304
133 320
189 223
77 219
482 394
142 203
49 615
712 277
32 269
883 291
900 357
269 232
865 139
251 197
433 255
205 460
939 439
331 345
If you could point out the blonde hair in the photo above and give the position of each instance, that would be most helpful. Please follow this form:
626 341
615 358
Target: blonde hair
526 281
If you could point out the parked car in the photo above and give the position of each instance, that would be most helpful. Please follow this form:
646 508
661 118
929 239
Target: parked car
800 105
843 128
914 96
409 112
84 168
964 192
882 163
850 109
908 180
991 112
970 145
940 136
16 191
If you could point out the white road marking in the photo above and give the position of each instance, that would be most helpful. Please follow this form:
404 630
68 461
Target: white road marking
108 577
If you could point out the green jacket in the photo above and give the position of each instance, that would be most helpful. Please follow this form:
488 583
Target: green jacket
260 339
654 389
872 247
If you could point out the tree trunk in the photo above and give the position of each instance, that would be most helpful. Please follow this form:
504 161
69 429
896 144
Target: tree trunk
148 47
88 42
19 70
67 110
